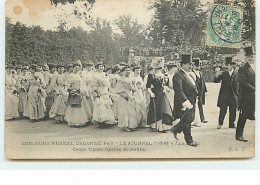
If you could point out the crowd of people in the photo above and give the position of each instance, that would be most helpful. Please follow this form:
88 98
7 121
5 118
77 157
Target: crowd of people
85 93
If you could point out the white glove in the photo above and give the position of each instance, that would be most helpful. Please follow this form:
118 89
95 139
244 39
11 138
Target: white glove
187 105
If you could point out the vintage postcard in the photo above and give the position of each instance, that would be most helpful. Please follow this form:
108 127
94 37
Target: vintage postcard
121 79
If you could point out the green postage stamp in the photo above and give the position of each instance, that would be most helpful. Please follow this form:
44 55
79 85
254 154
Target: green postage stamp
224 26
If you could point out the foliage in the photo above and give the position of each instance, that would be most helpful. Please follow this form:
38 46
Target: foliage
34 45
178 22
133 34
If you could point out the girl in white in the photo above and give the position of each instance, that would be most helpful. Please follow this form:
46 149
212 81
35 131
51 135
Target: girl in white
102 112
34 107
128 117
59 107
11 99
76 114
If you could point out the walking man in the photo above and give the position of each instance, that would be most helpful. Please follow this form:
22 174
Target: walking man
247 93
202 89
184 100
228 94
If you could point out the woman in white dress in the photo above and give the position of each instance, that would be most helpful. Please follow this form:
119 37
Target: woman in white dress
59 106
102 113
11 99
113 78
76 114
34 107
128 111
21 87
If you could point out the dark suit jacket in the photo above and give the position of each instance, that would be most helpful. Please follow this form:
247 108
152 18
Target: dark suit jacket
246 77
202 89
184 90
229 88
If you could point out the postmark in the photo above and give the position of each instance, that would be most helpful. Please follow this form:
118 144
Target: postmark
224 26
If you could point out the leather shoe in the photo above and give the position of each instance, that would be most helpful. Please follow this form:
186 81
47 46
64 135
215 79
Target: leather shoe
232 126
241 139
204 121
219 126
174 133
192 144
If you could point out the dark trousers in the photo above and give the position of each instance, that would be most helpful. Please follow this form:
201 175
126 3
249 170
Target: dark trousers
232 115
184 124
202 117
243 115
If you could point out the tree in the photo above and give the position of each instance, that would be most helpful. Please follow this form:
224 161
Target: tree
177 22
133 34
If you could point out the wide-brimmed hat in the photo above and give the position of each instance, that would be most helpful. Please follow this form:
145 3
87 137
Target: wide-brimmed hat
69 66
136 67
122 64
77 63
157 63
99 64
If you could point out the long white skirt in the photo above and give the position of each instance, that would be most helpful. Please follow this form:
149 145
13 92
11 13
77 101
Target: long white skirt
128 113
11 105
77 116
102 111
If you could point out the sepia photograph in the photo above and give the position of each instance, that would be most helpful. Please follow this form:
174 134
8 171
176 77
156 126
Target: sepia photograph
129 79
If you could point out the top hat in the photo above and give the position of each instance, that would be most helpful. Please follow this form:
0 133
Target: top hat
249 51
228 60
196 61
185 59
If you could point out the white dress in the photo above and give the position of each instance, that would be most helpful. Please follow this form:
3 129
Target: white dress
59 107
113 78
102 112
128 108
11 100
34 107
77 116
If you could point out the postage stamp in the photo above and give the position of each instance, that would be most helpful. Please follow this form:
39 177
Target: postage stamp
224 26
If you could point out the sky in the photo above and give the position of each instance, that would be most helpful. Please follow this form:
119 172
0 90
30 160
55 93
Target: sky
41 12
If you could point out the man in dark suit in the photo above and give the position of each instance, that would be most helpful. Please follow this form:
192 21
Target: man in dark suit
228 94
246 75
184 100
202 89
